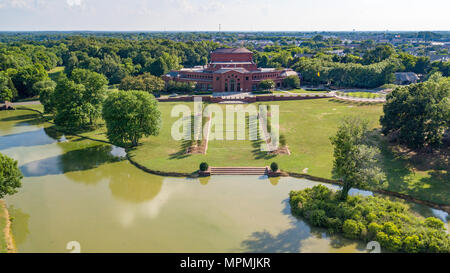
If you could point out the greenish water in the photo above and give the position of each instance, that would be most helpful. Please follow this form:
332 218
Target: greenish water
79 190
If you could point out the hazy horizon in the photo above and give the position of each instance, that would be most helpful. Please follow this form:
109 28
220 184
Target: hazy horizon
232 15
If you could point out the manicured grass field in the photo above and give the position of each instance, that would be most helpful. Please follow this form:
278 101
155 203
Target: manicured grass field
307 125
365 95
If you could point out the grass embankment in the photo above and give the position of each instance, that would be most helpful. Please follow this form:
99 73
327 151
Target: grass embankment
307 126
6 242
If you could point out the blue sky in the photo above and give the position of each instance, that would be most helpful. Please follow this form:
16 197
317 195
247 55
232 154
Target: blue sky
302 15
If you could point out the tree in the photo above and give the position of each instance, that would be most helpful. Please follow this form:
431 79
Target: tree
144 82
10 176
159 67
417 115
46 91
94 94
292 82
378 54
68 98
355 161
7 89
266 84
25 77
130 115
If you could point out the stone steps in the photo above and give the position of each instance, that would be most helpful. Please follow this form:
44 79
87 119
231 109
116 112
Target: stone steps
238 170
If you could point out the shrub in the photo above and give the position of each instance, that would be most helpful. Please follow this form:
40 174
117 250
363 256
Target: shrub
318 218
433 222
389 222
274 167
353 229
204 166
412 244
373 229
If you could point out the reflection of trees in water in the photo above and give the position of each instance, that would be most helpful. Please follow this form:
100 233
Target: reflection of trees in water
292 239
19 224
204 180
135 186
71 161
274 180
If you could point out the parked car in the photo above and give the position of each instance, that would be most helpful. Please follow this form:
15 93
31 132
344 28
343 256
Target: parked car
173 95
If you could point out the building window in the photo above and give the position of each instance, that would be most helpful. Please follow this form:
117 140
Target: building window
217 78
246 78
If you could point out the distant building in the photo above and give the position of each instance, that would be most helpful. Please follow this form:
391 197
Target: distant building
403 78
230 70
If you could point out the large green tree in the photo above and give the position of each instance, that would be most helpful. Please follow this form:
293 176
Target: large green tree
130 115
46 90
7 89
419 114
292 81
355 160
10 176
25 77
69 104
94 92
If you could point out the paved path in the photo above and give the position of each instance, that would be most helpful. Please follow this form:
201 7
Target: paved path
34 102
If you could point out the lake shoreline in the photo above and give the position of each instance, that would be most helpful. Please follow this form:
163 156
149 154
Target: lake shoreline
444 207
10 246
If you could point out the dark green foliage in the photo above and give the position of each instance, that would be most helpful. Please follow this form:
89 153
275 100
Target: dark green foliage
130 115
266 84
25 77
144 82
204 166
355 160
10 176
371 218
46 91
292 82
418 114
274 167
180 87
7 89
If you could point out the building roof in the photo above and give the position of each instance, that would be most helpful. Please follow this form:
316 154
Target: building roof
406 76
237 69
288 73
231 50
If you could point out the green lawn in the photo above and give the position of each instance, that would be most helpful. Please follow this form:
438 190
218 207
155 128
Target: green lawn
55 72
307 125
365 95
3 221
301 91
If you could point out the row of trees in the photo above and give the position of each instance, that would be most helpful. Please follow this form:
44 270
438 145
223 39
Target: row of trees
323 71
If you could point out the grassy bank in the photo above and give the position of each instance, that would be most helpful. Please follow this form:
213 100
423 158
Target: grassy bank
6 244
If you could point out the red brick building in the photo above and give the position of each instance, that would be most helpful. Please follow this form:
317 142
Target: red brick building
230 70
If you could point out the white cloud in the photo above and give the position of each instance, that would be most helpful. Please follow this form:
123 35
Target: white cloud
74 3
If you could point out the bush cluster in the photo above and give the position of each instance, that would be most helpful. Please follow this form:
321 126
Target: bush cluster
371 218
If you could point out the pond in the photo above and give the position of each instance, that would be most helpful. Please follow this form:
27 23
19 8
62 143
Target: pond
84 191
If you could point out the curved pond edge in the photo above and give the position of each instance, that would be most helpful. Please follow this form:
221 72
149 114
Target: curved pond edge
10 246
195 174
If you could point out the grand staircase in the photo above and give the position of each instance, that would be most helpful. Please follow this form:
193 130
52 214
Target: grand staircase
238 170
